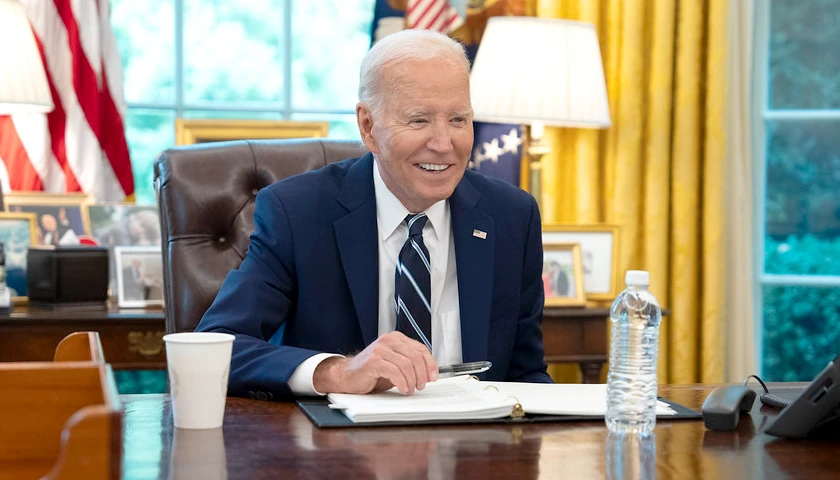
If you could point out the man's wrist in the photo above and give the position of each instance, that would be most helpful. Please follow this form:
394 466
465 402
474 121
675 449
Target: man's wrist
328 375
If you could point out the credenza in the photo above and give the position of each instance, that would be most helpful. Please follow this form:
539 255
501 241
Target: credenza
132 338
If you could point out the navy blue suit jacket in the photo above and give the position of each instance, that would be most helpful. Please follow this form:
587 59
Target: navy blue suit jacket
312 267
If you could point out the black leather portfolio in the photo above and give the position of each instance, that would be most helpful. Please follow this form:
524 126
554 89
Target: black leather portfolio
318 410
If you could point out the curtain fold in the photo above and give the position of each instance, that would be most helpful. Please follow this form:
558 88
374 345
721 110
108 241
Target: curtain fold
741 359
658 172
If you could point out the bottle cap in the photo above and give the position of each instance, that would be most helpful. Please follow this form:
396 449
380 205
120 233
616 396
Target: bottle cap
637 277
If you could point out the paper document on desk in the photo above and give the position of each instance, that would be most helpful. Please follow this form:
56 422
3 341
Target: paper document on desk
564 398
466 398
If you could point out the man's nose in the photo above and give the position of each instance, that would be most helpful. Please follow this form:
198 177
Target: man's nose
441 140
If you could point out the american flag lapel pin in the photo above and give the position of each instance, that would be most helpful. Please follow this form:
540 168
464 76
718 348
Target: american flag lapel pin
479 234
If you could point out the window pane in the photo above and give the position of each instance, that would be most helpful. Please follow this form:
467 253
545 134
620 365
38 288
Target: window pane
341 126
801 331
803 199
329 40
145 33
232 51
149 132
804 66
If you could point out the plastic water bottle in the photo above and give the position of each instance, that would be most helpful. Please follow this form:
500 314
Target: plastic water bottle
631 383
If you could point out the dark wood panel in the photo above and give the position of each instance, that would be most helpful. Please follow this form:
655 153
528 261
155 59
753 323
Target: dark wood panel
275 440
131 339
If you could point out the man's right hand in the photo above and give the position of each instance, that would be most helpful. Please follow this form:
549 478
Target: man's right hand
393 360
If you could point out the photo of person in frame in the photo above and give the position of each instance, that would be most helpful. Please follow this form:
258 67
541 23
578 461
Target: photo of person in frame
56 224
562 275
140 281
558 273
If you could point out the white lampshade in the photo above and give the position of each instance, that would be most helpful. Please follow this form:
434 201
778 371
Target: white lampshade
23 83
530 70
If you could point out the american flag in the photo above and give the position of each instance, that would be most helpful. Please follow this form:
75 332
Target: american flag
439 15
80 146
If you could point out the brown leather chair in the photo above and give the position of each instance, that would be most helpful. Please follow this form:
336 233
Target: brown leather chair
206 198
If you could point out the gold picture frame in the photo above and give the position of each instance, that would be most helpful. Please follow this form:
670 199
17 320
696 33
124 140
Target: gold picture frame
599 249
73 218
189 131
15 262
563 275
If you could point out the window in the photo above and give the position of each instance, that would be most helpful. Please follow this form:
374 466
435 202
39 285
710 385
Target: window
797 87
262 59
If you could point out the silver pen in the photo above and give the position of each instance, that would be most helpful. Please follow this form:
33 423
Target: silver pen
464 368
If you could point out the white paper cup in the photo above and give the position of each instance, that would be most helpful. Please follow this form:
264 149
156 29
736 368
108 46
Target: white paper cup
198 365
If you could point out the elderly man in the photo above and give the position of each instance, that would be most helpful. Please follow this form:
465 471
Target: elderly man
381 268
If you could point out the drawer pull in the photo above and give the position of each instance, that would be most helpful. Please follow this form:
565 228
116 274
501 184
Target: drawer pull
148 344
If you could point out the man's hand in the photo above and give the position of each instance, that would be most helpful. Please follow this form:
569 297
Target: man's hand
392 360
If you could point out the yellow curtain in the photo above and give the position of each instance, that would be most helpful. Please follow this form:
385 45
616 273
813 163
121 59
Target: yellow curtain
657 171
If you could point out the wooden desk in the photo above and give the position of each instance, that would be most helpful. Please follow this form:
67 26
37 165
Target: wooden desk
275 440
131 339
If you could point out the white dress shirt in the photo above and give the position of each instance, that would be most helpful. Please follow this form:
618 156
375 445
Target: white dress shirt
446 315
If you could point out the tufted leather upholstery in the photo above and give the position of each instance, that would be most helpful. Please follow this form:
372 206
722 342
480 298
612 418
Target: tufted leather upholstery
206 198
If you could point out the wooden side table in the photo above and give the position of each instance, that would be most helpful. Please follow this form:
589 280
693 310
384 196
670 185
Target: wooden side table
577 335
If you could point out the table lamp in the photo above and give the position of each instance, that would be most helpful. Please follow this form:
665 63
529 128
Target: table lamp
23 83
537 72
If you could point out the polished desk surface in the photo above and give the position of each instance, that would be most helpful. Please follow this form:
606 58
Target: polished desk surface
276 440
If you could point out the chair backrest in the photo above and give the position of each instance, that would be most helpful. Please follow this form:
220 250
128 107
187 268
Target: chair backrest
206 198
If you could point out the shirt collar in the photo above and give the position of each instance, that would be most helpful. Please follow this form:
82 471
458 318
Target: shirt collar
390 212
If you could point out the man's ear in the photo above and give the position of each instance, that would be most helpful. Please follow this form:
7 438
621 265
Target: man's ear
364 118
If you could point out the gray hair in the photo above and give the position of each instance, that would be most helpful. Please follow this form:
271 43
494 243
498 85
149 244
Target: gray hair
412 44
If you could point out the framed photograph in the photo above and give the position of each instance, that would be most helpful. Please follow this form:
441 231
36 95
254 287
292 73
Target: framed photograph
123 225
563 275
599 249
189 131
60 218
17 233
139 277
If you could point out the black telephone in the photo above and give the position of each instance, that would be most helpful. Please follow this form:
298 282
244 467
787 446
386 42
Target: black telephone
814 411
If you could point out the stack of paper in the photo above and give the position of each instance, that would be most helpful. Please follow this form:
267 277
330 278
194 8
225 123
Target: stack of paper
456 398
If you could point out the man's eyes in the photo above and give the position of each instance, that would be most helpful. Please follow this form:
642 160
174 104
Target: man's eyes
422 121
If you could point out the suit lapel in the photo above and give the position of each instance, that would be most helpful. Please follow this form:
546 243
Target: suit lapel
474 258
355 234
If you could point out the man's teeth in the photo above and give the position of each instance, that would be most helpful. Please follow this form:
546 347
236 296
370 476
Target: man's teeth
433 166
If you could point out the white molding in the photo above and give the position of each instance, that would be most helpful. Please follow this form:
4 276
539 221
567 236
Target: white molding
802 114
790 280
759 102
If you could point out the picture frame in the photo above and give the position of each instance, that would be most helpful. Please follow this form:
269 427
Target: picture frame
123 225
189 131
139 277
17 233
563 275
599 251
57 215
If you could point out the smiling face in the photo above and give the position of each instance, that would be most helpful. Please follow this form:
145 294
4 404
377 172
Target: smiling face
423 134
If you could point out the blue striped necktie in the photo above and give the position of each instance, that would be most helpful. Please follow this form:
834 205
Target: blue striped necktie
412 284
